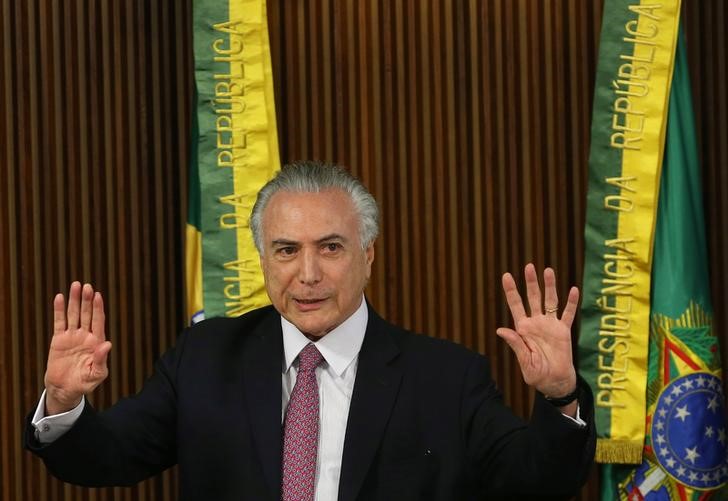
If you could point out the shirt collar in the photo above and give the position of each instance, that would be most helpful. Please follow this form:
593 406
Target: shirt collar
339 347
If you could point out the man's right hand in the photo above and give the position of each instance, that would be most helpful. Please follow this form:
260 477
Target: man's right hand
78 353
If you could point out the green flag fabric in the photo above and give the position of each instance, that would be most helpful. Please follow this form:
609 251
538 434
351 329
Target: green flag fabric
234 152
684 454
636 54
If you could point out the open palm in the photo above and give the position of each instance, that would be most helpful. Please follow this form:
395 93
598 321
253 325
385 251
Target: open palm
541 340
78 352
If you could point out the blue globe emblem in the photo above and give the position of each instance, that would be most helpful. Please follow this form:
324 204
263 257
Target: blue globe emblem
689 431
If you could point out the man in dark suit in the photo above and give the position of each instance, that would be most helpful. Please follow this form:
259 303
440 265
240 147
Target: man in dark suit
380 413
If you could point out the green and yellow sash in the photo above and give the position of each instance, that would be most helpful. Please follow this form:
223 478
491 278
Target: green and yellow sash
235 151
634 74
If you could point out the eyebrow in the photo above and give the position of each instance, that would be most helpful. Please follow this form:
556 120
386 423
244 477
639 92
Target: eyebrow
327 238
332 236
283 241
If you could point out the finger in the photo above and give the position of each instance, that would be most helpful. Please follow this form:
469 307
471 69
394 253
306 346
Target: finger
59 314
551 298
533 291
515 341
571 304
513 298
99 317
87 297
74 305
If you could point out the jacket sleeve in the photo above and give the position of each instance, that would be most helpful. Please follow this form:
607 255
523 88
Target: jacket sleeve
549 457
131 441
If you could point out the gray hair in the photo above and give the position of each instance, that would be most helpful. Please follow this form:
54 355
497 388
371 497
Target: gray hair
314 177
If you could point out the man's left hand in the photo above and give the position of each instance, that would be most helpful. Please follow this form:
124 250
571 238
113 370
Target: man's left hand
541 340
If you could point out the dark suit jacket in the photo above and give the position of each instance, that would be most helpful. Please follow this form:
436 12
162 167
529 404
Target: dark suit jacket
426 422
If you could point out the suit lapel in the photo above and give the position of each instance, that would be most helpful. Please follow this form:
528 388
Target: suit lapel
262 386
375 391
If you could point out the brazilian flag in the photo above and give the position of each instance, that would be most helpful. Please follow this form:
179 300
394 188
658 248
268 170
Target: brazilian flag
684 456
234 152
647 345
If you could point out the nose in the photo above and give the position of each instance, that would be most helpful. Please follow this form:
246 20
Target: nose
309 272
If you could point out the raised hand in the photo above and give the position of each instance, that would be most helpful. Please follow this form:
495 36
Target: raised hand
78 352
541 340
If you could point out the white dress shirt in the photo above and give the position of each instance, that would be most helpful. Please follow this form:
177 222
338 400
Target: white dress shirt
49 428
335 378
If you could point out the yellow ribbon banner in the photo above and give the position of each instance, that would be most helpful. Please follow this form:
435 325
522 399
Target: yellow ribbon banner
636 60
235 152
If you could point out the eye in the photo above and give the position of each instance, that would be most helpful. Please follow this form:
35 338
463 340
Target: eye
286 251
332 247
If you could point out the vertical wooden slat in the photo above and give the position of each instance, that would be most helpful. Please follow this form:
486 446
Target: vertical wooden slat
12 476
475 301
402 208
6 355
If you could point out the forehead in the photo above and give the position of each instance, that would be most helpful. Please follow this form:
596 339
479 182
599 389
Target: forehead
303 216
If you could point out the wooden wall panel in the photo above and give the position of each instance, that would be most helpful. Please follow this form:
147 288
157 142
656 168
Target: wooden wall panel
95 100
469 120
470 123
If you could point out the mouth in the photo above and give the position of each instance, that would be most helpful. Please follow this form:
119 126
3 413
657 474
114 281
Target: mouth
308 304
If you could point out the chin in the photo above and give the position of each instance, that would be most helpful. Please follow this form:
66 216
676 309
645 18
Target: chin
315 329
314 337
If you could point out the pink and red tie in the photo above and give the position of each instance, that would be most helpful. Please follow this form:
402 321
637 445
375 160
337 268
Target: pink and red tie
300 436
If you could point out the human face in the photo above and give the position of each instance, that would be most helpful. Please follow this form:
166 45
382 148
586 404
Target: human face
314 266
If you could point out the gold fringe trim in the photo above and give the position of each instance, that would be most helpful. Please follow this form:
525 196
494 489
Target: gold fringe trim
619 451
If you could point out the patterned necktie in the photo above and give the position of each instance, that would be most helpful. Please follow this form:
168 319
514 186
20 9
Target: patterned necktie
300 436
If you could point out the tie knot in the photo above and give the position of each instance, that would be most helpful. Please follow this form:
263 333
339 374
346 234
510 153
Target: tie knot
309 358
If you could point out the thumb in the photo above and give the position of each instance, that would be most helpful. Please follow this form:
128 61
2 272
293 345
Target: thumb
515 341
101 353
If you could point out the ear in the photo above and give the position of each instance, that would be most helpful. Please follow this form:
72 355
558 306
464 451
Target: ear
369 258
